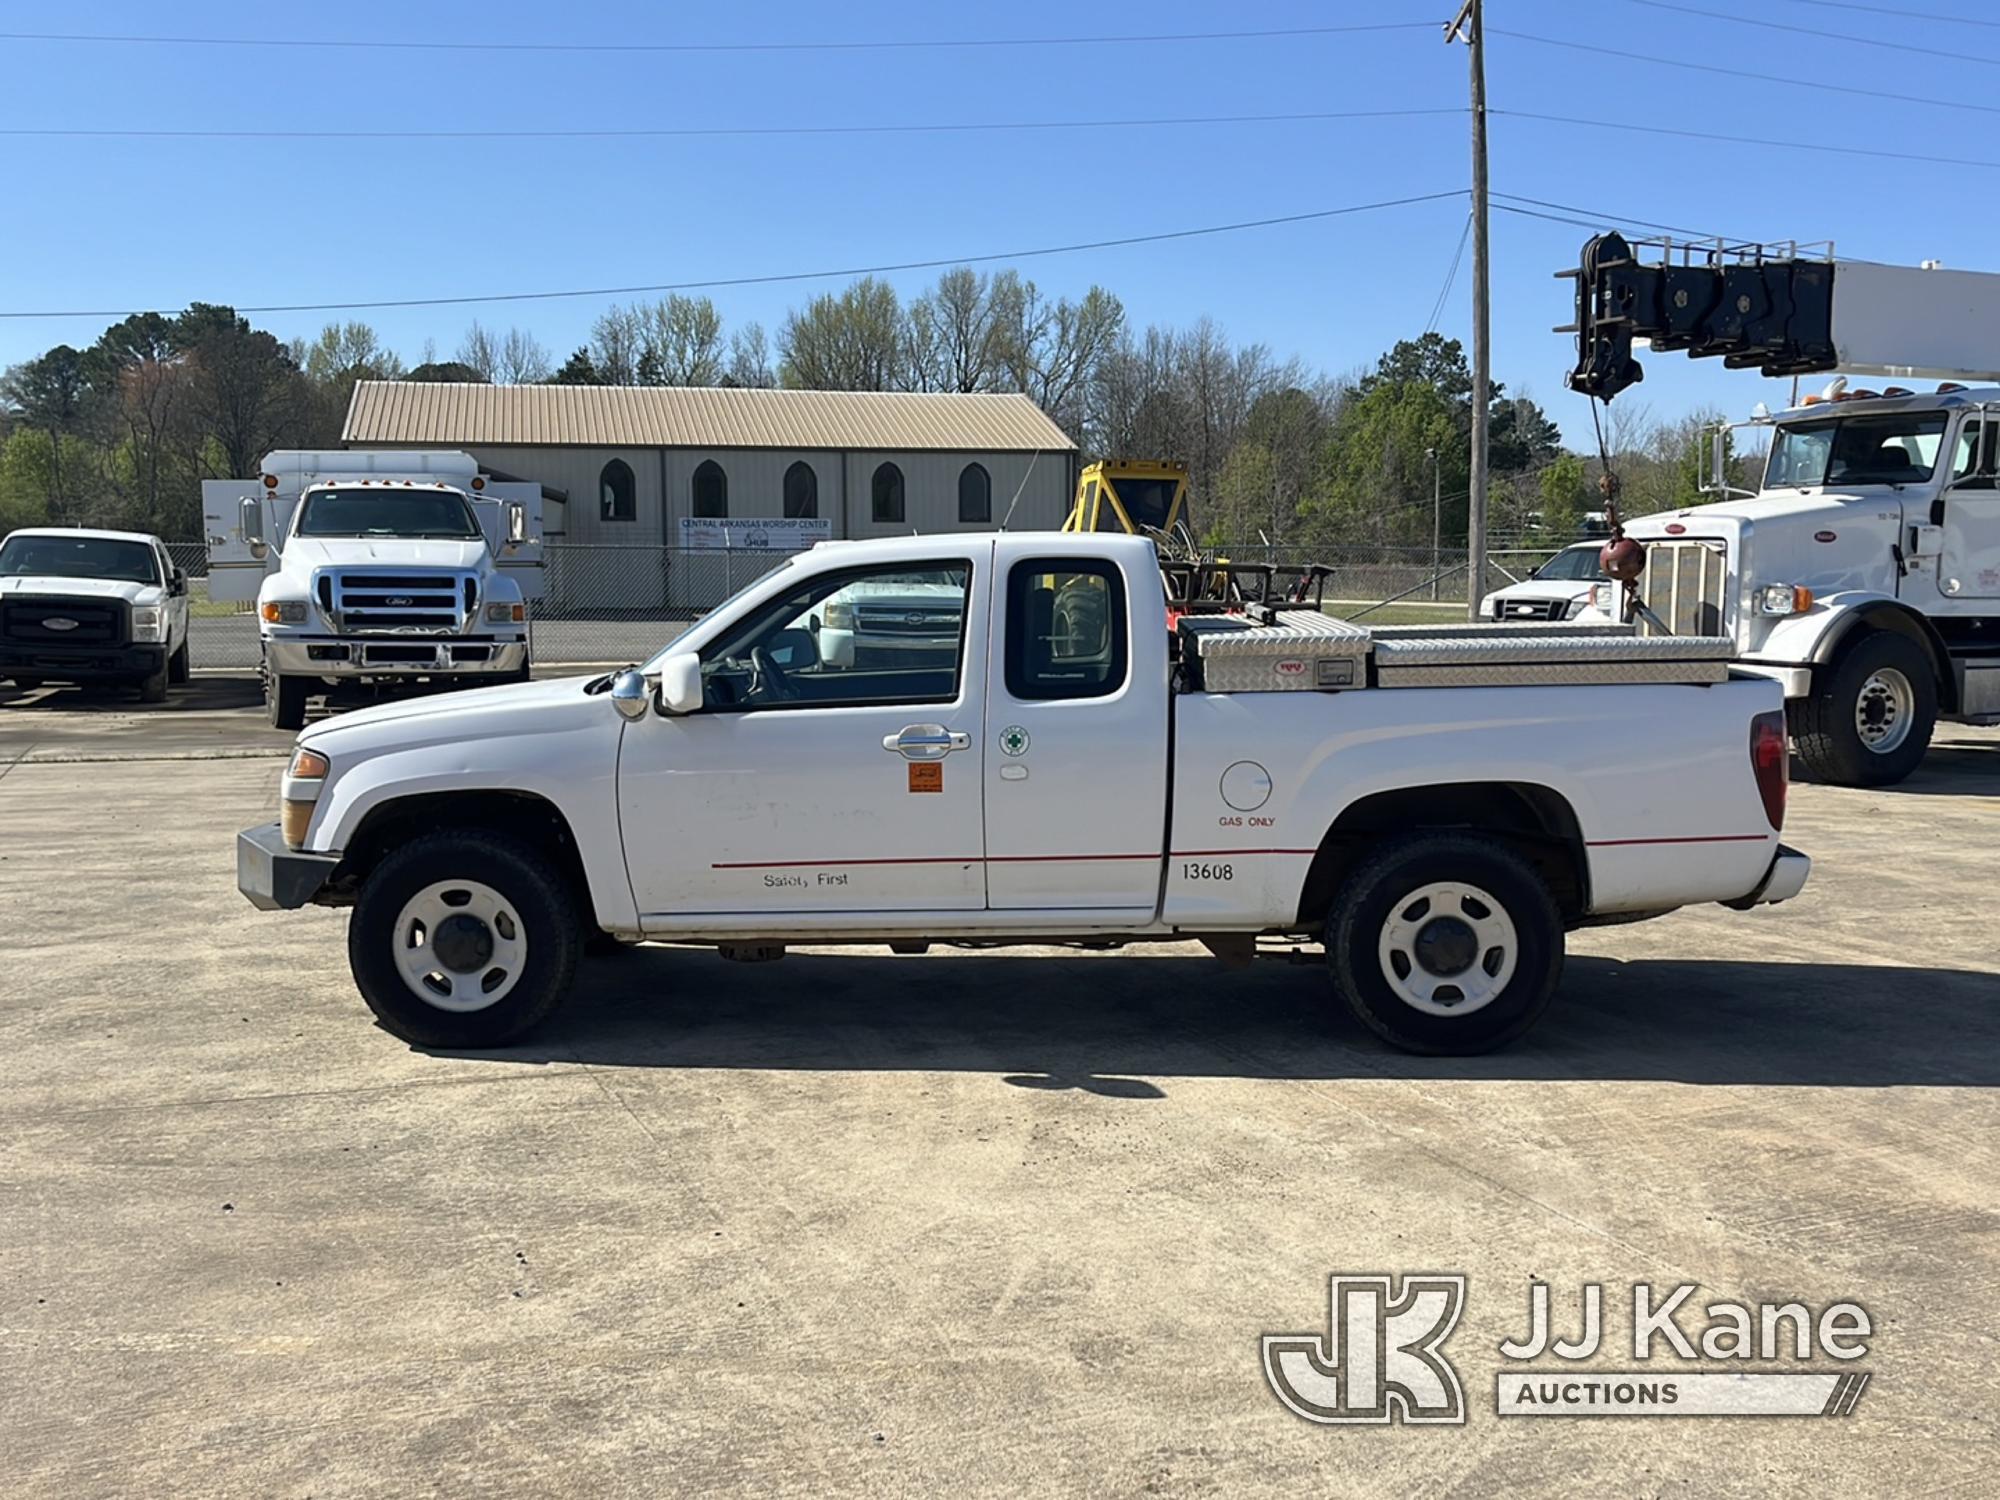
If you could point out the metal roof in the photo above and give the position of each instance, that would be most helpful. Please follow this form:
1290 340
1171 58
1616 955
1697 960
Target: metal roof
424 413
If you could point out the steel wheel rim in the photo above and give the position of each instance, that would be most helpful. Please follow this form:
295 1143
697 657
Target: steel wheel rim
459 945
1884 710
1409 949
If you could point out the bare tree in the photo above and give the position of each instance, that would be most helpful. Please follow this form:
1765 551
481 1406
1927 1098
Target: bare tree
476 351
961 334
523 360
749 359
846 341
682 342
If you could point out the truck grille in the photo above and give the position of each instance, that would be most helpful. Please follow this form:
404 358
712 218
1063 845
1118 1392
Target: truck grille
919 622
52 620
427 603
1685 584
1531 609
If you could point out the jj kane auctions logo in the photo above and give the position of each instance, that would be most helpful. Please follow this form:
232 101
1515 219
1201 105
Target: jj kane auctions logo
1381 1358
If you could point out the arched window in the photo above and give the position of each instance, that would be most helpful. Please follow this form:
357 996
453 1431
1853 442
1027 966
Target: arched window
888 495
975 496
801 492
617 492
711 490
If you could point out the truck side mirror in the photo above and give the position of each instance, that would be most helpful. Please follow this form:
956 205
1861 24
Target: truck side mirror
250 519
680 683
178 584
1717 482
517 522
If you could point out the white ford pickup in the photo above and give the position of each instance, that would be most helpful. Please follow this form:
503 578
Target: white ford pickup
1438 807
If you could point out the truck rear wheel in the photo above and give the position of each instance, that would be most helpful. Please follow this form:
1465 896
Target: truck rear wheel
1445 944
463 940
1869 717
285 701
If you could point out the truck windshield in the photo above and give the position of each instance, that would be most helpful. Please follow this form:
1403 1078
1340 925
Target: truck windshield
1573 565
79 557
386 512
1897 448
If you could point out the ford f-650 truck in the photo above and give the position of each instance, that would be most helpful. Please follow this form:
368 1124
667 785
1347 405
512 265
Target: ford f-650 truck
389 569
1436 806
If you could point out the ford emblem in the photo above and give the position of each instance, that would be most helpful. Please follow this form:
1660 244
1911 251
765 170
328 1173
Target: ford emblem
399 601
915 619
58 622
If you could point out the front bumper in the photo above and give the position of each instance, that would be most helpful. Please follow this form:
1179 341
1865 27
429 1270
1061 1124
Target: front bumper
393 656
1784 880
81 663
1795 680
274 876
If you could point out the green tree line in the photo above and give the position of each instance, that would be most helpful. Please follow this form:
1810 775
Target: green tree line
122 432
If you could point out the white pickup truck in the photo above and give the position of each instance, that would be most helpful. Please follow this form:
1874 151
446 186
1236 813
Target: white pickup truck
1437 806
92 606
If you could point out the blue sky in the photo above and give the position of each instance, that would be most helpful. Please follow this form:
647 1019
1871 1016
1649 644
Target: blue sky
156 223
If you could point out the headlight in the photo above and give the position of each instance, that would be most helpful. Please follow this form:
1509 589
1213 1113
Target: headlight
1489 607
1601 597
506 614
840 616
303 779
285 612
1783 599
149 623
1576 606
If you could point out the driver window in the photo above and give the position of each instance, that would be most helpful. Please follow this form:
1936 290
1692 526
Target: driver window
872 636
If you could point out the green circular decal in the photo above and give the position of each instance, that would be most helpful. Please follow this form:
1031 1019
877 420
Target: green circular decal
1013 740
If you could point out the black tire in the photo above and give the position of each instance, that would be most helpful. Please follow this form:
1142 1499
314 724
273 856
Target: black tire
1381 890
534 894
285 701
153 686
177 665
1826 725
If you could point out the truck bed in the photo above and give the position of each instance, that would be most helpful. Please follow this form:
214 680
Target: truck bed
1305 651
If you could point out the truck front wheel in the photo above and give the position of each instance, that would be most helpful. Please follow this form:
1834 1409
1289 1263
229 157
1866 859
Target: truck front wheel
1869 717
1445 944
463 940
285 701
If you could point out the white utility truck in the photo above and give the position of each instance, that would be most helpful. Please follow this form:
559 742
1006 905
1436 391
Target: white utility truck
92 606
1437 806
389 569
1863 574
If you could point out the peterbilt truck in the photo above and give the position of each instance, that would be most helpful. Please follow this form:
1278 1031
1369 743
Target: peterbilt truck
387 570
1436 807
1863 573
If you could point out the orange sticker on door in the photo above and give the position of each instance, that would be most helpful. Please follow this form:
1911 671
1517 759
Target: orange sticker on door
926 776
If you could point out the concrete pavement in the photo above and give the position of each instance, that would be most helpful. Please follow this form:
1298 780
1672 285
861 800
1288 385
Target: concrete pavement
992 1224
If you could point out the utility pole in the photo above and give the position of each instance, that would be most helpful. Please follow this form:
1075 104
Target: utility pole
1437 521
1469 26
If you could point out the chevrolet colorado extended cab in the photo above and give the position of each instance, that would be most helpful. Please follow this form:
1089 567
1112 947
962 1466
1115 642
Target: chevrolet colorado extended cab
1437 807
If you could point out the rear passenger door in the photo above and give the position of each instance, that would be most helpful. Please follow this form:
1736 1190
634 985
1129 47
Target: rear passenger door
1076 735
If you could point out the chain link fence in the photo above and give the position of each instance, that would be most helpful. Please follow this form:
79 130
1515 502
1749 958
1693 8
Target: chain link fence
610 605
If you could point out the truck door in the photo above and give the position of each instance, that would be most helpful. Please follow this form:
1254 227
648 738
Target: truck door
809 785
1076 731
235 572
1972 514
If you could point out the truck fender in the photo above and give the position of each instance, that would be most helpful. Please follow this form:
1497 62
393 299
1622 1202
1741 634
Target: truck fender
1820 634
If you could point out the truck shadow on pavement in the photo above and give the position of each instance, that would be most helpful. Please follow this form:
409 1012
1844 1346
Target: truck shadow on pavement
204 693
1126 1028
1965 768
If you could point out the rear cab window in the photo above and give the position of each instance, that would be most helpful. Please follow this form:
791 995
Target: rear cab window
1066 629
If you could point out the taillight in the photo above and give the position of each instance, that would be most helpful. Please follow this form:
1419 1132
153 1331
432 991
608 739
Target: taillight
1770 759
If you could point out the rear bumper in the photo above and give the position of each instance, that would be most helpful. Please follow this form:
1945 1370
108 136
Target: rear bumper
1784 880
81 663
402 656
274 876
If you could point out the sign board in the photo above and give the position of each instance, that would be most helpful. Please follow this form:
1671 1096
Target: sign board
752 534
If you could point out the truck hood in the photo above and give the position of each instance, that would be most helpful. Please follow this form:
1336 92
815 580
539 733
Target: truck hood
1831 541
1796 507
473 714
1543 588
81 588
305 553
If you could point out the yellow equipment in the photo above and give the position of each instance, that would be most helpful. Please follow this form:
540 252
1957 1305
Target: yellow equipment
1143 497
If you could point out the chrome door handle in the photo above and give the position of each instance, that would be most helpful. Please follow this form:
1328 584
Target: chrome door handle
926 742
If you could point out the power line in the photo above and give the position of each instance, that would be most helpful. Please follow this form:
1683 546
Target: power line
703 131
733 281
1751 140
374 44
1815 31
1450 277
1625 219
1762 80
1890 10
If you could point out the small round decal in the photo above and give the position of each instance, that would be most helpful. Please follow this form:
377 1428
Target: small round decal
1246 786
1013 740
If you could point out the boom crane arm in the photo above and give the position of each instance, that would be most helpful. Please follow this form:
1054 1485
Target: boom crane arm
1781 313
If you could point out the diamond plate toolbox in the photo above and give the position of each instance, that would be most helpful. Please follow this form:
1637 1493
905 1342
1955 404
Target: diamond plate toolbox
1303 652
